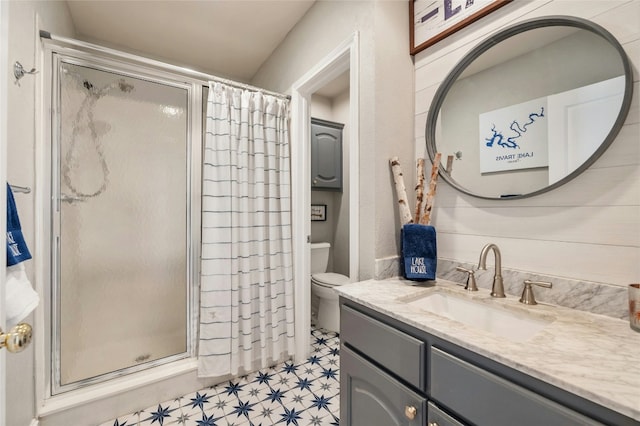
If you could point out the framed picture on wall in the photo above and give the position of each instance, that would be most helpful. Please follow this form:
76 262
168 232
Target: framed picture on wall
318 212
434 20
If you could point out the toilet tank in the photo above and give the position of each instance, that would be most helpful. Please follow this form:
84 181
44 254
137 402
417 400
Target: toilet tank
319 257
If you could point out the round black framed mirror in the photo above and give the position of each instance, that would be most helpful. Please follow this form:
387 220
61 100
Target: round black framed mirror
530 108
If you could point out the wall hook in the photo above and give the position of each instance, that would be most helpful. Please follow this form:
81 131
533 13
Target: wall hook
19 72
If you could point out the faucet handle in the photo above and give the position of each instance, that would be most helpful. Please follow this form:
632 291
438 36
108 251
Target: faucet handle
527 292
471 278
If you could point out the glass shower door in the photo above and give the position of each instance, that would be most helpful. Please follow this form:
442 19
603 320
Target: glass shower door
120 223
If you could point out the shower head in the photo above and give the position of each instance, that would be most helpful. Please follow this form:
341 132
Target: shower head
124 86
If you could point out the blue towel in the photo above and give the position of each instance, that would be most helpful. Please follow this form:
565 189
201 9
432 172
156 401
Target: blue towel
419 252
17 250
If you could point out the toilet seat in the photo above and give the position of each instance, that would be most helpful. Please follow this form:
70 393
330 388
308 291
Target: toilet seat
329 279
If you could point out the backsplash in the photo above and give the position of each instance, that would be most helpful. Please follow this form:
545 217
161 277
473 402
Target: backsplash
597 298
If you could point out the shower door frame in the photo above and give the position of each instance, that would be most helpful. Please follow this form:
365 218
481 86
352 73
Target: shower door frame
48 352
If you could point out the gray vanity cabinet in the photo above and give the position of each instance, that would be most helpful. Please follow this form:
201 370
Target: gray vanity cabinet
326 155
376 398
394 374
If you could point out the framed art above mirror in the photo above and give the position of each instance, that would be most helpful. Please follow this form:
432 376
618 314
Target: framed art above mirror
433 21
530 108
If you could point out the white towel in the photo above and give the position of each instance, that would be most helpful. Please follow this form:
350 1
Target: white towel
21 298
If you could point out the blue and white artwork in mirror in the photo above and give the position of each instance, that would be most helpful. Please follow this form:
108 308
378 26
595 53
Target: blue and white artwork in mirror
558 132
514 137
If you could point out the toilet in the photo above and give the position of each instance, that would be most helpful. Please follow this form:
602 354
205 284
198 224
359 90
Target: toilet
322 285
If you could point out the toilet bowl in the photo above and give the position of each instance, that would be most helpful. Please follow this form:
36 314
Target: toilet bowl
322 285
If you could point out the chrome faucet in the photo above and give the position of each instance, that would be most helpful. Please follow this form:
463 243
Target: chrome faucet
497 290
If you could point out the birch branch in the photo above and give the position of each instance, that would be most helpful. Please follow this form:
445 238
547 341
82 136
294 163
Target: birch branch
401 192
426 217
419 190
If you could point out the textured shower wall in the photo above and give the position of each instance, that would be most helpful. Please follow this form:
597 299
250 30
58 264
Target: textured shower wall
123 251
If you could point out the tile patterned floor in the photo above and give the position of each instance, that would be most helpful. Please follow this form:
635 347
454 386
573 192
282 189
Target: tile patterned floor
305 394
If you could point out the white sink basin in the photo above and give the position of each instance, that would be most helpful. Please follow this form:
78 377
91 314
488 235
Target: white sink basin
514 326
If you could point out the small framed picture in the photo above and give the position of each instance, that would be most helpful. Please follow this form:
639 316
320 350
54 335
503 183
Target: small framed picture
318 212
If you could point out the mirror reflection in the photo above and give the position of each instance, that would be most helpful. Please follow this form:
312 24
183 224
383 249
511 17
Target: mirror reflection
529 113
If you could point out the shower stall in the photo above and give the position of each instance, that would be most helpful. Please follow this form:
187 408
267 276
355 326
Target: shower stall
120 189
123 218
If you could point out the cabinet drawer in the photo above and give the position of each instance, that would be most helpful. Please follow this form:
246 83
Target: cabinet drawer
486 399
437 417
398 352
370 397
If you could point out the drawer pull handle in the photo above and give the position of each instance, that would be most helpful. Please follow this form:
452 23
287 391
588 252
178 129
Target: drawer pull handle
433 424
410 412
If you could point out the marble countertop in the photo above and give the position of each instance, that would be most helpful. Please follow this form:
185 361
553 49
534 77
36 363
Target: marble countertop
593 356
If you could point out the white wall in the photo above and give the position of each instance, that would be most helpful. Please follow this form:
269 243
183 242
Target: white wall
588 229
23 39
386 112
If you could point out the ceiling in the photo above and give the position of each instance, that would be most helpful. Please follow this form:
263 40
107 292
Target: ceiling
227 38
335 87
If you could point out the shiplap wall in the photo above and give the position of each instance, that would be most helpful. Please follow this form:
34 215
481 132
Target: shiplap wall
588 229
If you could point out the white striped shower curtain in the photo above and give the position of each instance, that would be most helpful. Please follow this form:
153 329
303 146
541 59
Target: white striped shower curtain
246 294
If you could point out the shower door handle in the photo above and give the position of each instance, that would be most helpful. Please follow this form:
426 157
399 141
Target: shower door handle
17 339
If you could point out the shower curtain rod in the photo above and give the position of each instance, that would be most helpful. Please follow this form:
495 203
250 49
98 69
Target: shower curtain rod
245 86
155 63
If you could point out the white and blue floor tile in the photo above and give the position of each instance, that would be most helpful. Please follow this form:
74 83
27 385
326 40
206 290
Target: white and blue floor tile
305 394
